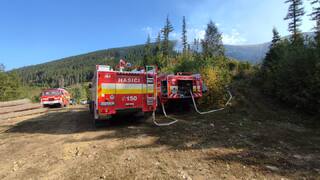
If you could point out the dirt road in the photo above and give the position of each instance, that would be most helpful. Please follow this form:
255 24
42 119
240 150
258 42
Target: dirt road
248 141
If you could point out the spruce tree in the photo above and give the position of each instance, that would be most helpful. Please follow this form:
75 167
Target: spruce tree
184 36
196 45
276 37
315 16
158 51
158 43
295 13
2 68
271 56
147 55
212 43
166 30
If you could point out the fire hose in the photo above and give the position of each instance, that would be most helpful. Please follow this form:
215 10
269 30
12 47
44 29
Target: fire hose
211 111
174 120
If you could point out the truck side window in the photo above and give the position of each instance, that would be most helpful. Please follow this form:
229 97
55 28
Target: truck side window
164 87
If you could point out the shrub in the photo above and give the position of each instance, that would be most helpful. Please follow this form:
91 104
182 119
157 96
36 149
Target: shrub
216 79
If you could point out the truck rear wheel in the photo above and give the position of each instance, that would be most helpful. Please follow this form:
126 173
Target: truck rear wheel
159 106
91 107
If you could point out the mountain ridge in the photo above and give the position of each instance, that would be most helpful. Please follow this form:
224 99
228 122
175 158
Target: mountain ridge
227 46
79 68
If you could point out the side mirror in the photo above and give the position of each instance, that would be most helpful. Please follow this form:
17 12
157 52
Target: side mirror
90 85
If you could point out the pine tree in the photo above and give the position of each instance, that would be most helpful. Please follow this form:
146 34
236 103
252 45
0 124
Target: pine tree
61 82
315 16
147 57
184 36
196 45
295 13
158 51
212 43
271 56
2 68
166 30
158 43
276 37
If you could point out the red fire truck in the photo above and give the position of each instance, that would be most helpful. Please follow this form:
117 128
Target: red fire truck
178 86
182 86
116 91
55 97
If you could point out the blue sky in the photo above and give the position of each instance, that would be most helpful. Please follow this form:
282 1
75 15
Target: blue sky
37 31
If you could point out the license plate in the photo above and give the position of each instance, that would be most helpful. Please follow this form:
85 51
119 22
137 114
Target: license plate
107 104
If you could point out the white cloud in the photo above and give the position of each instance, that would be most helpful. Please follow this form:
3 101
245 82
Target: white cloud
195 33
148 30
174 35
234 38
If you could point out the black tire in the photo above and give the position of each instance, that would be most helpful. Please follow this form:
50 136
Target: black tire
159 106
91 107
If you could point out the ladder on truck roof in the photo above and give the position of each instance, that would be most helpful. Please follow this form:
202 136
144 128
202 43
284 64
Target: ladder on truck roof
150 87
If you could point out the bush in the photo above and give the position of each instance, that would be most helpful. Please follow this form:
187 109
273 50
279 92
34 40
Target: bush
10 87
216 79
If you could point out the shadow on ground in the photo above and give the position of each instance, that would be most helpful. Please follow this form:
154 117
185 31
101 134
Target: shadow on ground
260 135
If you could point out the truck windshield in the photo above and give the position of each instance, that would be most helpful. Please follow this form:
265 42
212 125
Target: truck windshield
51 93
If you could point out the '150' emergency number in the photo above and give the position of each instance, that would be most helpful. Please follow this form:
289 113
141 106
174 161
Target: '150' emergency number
130 98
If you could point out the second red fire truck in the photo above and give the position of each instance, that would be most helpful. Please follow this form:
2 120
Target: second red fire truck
172 87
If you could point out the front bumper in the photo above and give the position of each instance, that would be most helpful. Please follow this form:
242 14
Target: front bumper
51 102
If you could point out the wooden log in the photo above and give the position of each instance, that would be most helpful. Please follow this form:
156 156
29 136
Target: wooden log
22 113
14 103
17 108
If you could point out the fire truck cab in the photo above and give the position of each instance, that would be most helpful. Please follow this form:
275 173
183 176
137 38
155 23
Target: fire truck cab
116 91
178 86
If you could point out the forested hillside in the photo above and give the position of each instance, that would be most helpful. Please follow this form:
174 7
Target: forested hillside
76 69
